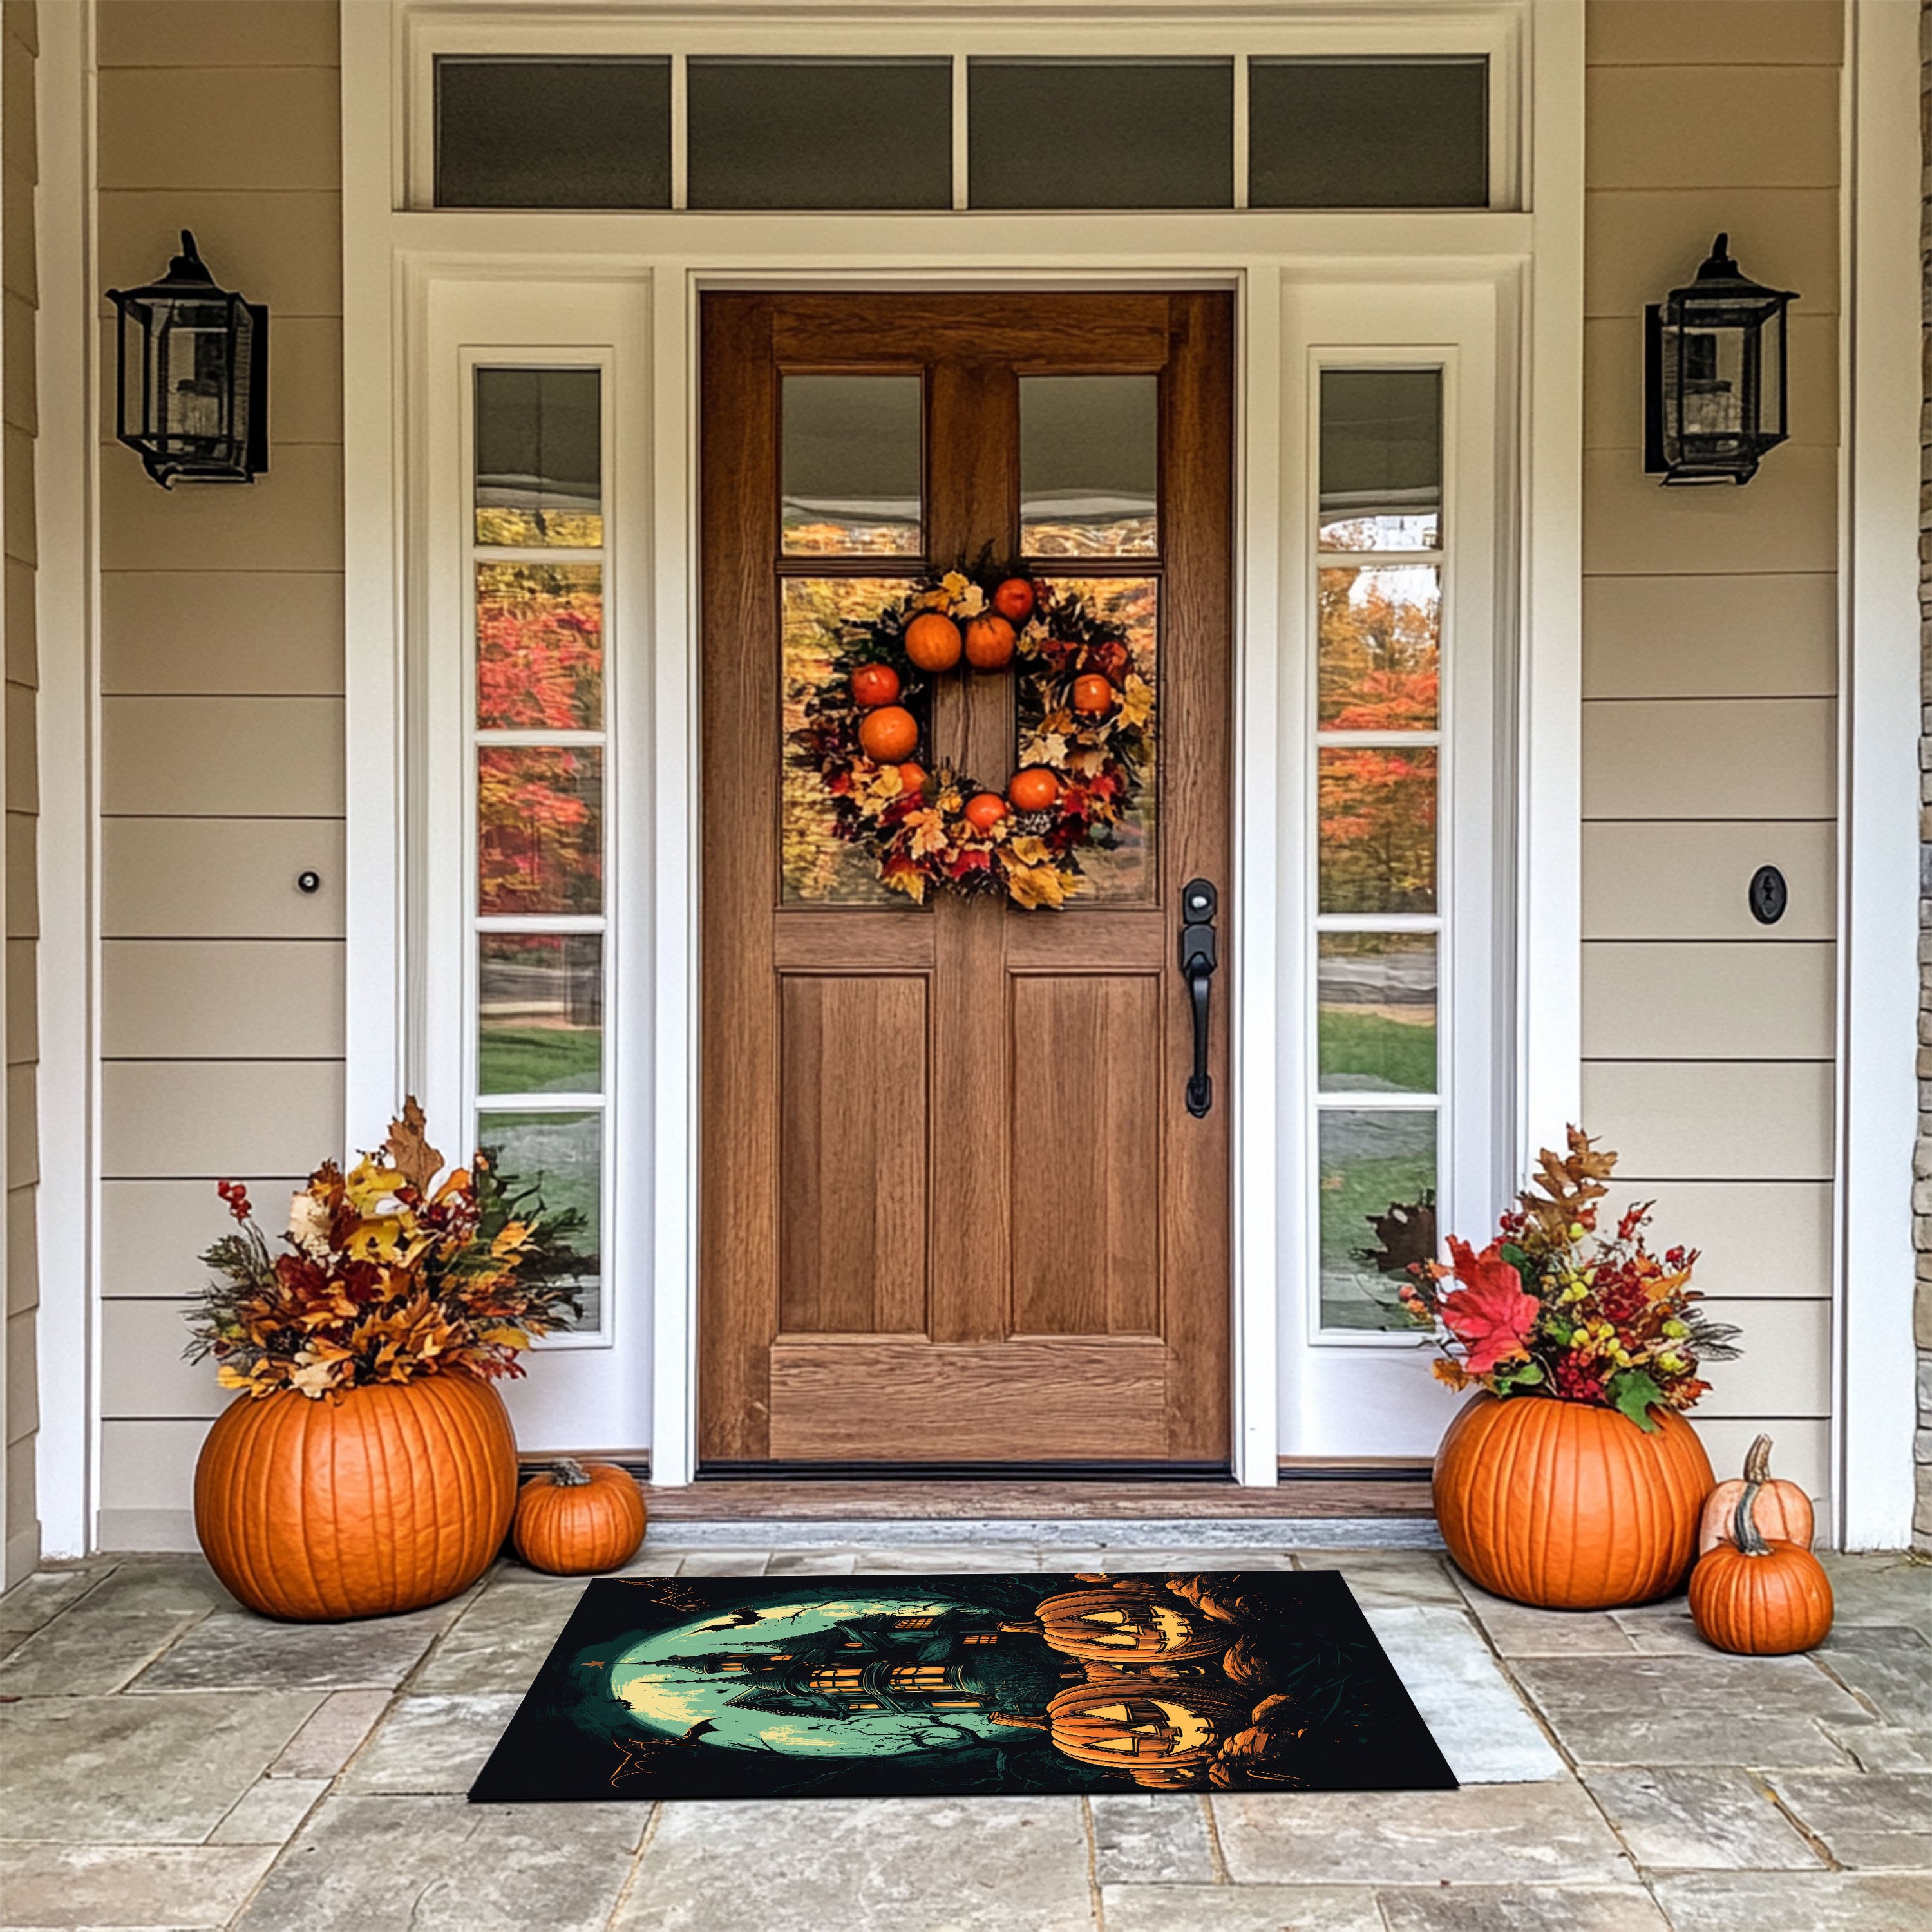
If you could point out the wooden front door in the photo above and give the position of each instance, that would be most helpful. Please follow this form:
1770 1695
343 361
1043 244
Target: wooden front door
956 1208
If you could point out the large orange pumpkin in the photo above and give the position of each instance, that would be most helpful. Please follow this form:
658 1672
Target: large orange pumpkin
577 1518
1781 1510
1760 1598
1569 1506
386 1498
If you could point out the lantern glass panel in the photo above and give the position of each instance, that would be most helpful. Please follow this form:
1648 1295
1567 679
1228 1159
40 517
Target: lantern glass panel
192 348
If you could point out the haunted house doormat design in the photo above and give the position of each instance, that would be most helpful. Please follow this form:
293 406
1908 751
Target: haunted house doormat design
720 1687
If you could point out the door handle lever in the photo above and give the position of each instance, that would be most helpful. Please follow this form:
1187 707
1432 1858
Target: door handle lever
1198 958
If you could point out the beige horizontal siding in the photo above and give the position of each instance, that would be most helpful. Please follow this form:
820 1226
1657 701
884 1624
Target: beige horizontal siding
23 1389
305 396
23 891
217 33
1756 1240
1678 881
23 1019
201 130
143 1375
1704 1119
1641 243
147 1482
222 757
283 249
1765 126
1785 519
22 664
1711 32
1786 1366
23 1135
152 1232
221 878
203 633
280 999
1649 1000
1801 1452
23 1277
291 519
171 1120
1757 758
1710 636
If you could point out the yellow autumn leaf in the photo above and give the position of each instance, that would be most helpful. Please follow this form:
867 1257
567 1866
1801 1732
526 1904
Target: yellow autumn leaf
928 833
1137 701
1030 851
1043 748
1035 886
912 884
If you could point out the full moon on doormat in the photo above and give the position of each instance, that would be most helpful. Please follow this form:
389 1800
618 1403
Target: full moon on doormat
718 1687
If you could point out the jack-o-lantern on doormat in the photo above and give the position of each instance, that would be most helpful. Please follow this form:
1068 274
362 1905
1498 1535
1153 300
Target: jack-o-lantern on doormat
1085 714
1130 1624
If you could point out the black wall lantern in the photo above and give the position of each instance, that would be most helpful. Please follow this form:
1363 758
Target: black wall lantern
192 371
1714 375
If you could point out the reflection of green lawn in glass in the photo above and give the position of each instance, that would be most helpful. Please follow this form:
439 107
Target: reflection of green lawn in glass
563 1153
1360 1049
540 1060
1353 1294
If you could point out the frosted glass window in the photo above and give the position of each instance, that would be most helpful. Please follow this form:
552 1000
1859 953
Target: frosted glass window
552 134
1382 459
1101 134
820 133
1377 133
1090 465
850 466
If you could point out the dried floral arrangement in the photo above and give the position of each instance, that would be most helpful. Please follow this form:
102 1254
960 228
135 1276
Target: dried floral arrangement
1551 1307
388 1274
1086 728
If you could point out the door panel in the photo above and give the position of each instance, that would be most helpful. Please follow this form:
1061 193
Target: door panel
955 1208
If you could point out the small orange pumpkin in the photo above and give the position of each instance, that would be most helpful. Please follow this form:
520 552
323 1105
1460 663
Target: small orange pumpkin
1760 1598
1781 1510
386 1498
1568 1506
576 1518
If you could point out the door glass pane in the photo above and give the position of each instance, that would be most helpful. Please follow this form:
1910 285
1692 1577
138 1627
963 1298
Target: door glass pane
539 478
540 829
1090 465
850 466
552 134
1375 1028
820 133
1377 133
540 1012
816 866
1376 806
562 1154
1121 863
1382 459
1101 134
1378 1195
1379 632
539 646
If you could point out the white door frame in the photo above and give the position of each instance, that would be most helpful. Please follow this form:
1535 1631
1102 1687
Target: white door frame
1534 260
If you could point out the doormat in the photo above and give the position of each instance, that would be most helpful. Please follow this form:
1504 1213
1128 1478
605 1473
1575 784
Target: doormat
902 1686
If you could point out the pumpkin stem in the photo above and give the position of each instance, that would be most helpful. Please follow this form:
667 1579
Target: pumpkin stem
1744 1526
567 1473
1757 1461
1014 1718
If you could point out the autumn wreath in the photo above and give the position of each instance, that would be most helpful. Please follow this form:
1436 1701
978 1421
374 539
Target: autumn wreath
1086 737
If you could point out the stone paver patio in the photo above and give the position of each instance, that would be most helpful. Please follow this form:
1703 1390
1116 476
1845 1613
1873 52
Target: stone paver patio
172 1762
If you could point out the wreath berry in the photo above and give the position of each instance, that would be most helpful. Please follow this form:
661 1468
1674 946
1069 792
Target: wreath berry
1086 737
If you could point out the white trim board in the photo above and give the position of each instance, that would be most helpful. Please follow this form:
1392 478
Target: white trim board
391 256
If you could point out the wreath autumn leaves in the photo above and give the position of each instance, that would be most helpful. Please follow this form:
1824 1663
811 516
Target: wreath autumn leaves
1086 737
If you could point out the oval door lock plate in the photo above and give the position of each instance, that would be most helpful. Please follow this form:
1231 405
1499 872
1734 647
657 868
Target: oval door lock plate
1769 895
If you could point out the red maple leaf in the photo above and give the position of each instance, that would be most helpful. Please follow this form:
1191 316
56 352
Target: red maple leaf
1488 1312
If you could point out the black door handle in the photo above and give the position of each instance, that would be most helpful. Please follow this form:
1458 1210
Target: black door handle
1198 900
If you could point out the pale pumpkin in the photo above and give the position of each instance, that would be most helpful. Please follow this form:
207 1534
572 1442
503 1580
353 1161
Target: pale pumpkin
386 1497
577 1518
1781 1510
1568 1506
1758 1597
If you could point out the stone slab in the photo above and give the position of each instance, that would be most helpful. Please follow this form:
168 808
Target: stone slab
1883 1747
1392 1577
134 1771
126 1886
1885 1588
725 1562
437 1864
982 1865
1662 1630
1476 1717
39 1598
1483 1835
86 1653
1519 1630
1870 1822
1516 1908
184 1584
427 1745
1780 1902
1240 1908
1889 1666
329 1739
1151 1837
500 1641
806 1563
238 1651
270 1811
1712 1818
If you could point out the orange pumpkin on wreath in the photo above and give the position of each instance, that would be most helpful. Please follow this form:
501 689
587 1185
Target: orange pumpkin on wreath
1086 718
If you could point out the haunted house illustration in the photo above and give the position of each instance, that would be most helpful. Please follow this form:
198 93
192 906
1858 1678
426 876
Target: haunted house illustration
949 1661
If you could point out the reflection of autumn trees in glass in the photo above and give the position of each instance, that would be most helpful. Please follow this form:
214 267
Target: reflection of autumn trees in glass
540 822
1380 633
539 646
1377 809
